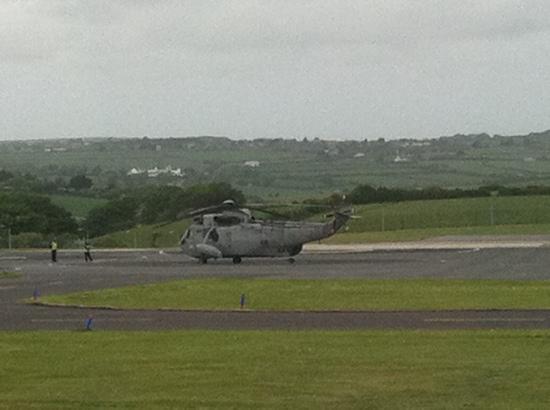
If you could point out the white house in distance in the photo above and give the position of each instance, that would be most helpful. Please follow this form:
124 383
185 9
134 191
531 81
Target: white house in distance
252 164
177 172
135 171
155 172
56 149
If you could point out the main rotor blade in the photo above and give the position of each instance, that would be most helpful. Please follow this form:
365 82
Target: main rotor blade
292 205
224 206
267 211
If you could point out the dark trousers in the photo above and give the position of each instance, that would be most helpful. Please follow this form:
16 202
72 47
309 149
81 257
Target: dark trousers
54 255
88 256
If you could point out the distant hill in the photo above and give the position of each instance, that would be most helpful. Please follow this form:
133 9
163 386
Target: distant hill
288 169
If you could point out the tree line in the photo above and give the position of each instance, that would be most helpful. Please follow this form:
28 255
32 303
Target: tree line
24 212
35 220
367 194
156 204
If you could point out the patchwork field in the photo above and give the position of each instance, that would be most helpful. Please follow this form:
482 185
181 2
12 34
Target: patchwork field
293 169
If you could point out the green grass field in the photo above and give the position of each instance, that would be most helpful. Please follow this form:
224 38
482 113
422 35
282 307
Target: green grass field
402 221
295 370
78 206
453 213
145 236
421 234
326 294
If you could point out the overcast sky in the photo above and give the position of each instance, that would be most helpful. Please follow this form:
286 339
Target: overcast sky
246 69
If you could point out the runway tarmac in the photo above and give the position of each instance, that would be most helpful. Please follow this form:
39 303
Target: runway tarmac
122 268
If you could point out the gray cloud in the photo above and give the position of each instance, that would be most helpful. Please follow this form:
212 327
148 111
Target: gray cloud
325 68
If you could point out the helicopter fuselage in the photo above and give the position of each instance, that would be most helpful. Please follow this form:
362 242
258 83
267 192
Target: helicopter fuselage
217 236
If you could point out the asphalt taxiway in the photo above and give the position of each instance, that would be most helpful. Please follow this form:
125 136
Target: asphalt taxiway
122 268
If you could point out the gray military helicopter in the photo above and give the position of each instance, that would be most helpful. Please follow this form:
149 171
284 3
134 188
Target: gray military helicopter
229 231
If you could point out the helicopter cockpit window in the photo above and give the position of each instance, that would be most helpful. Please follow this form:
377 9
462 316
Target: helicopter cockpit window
228 220
213 234
185 235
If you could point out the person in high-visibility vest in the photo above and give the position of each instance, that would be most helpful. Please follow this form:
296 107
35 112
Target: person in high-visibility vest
87 253
53 247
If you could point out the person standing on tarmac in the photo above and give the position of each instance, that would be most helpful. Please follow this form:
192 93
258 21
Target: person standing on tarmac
53 248
87 254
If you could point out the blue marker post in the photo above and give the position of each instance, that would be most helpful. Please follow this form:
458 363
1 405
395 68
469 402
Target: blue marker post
243 300
88 323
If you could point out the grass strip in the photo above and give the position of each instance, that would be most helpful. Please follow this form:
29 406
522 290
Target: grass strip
251 369
325 294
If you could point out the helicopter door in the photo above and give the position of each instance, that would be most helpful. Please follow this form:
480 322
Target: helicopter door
213 235
228 237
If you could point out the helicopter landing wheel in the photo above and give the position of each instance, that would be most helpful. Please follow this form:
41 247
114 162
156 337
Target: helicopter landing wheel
237 260
291 260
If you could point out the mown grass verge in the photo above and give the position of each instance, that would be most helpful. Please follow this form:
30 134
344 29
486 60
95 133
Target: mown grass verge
275 369
326 294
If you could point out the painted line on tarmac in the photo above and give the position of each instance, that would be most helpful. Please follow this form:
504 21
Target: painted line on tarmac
312 248
468 320
140 319
56 282
469 250
98 261
7 287
55 320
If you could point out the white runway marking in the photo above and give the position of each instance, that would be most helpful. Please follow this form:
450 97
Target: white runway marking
57 320
511 319
312 248
7 287
470 250
84 317
57 282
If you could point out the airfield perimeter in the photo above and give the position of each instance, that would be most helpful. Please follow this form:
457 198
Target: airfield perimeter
519 258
